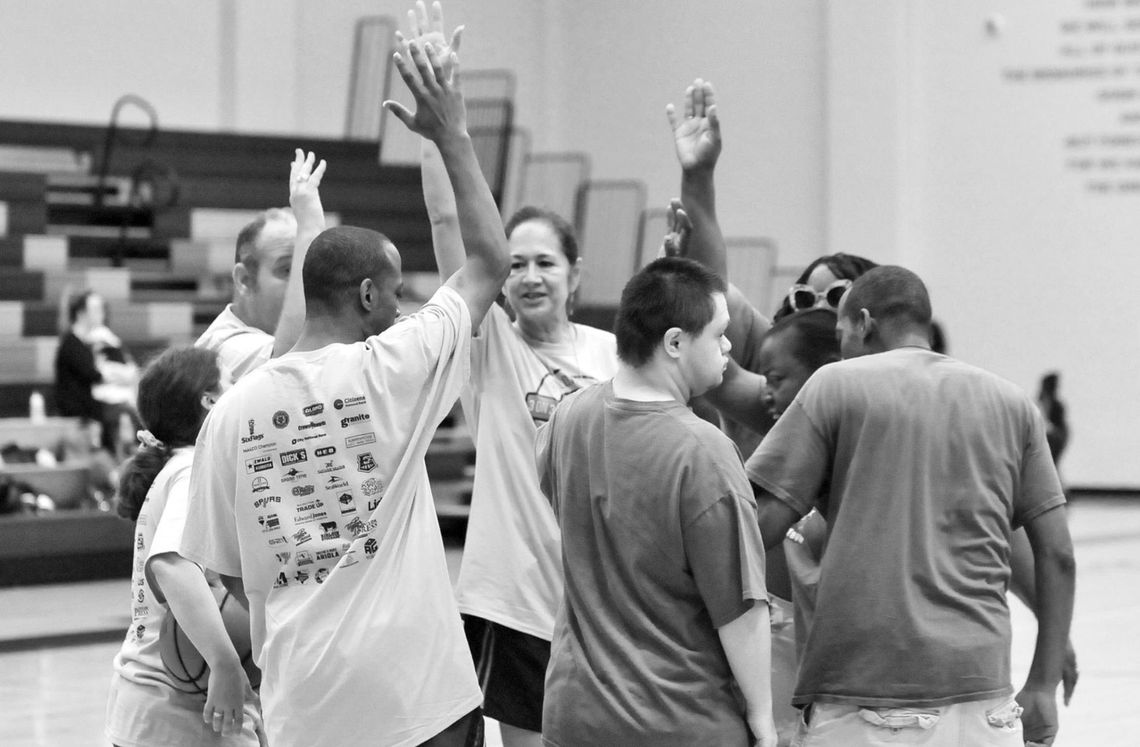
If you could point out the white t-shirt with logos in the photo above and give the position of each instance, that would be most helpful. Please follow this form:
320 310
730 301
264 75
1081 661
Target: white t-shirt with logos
512 566
240 347
147 706
309 484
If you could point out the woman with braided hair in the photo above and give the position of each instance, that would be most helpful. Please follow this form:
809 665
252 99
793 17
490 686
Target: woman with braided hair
151 702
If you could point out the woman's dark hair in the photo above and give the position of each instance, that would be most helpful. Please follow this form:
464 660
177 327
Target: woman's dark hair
812 336
562 229
77 304
842 266
170 407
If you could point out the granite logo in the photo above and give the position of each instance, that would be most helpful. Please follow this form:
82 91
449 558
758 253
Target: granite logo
258 464
314 409
280 419
362 440
293 457
362 417
324 451
340 404
303 490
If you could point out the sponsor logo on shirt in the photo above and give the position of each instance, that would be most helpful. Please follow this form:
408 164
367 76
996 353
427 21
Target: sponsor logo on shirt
269 522
370 547
372 486
324 451
253 435
303 490
310 505
258 464
373 503
277 541
301 576
340 404
329 531
263 502
138 612
322 574
140 631
358 527
282 580
293 457
310 425
140 543
292 475
283 557
309 517
330 466
314 409
365 462
347 505
328 554
259 484
353 419
141 596
336 482
304 557
280 419
349 559
307 437
363 439
301 536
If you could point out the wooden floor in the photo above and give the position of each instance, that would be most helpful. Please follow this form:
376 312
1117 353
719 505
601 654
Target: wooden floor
54 695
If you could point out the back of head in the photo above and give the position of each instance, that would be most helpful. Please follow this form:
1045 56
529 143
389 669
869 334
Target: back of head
561 227
891 294
336 263
668 292
811 334
170 406
77 305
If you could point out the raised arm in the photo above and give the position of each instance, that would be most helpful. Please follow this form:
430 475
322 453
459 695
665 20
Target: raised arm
196 610
441 117
305 199
1054 573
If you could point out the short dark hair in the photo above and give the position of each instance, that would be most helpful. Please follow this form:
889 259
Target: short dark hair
169 404
336 263
890 292
561 227
842 266
245 250
78 304
668 292
812 336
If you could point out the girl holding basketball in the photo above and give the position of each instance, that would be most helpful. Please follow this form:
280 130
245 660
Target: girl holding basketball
163 690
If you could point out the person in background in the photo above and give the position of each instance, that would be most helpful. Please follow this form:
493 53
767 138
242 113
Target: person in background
148 704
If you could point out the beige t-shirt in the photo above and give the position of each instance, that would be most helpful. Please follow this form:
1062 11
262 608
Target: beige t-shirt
512 569
309 483
240 347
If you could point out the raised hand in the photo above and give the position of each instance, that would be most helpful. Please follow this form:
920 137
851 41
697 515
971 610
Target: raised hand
440 111
676 241
304 189
430 31
696 135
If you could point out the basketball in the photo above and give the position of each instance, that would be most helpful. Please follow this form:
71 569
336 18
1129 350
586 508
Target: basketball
186 666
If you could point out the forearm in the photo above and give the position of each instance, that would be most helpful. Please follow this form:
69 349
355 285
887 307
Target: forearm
481 227
747 643
706 243
194 606
1022 579
447 241
1055 581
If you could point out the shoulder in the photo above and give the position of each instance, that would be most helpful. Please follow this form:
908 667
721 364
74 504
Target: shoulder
594 337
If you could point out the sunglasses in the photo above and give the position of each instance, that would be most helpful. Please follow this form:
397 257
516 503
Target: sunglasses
802 297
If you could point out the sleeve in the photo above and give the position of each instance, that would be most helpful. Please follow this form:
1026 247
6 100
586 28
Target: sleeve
210 536
244 352
725 552
1039 487
168 533
752 326
793 461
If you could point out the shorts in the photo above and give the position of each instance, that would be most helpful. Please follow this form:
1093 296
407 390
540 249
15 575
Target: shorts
512 671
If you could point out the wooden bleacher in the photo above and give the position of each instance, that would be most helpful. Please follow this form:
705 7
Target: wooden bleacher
163 268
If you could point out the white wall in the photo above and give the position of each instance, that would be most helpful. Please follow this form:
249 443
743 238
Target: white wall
882 128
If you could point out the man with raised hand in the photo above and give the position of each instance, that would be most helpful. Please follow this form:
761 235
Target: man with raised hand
268 306
923 467
309 485
664 619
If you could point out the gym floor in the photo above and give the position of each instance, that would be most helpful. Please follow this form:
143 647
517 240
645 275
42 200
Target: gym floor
57 643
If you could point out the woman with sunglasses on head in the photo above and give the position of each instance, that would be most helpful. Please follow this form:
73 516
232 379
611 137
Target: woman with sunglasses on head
510 580
150 702
823 283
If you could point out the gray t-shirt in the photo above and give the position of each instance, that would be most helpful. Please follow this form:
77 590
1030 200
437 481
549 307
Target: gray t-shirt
930 464
660 547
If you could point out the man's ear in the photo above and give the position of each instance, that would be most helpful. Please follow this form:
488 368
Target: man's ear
241 278
208 400
671 341
868 325
367 293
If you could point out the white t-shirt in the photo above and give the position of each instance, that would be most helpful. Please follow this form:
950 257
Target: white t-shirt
146 705
512 565
309 483
240 347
